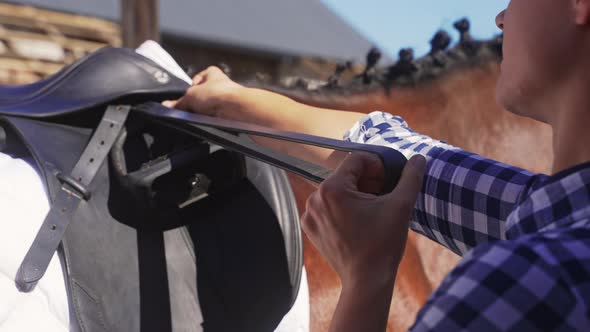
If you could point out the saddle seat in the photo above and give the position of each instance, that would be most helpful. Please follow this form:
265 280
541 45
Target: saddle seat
106 76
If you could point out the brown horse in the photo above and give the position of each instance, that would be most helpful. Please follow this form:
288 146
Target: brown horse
449 95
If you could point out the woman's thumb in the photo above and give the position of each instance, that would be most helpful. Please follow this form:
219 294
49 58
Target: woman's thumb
410 183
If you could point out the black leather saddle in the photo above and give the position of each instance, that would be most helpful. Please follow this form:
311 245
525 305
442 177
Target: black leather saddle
236 216
110 75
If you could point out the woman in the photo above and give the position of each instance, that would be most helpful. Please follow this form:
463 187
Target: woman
525 238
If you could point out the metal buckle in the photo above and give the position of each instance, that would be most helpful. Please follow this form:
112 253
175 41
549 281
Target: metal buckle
78 188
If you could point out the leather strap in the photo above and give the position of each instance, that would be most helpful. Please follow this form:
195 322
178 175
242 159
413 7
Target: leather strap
73 191
208 127
306 169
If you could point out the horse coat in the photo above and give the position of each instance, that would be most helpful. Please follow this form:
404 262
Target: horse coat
159 204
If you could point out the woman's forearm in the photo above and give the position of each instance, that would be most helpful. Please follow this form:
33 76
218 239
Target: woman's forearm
364 306
273 110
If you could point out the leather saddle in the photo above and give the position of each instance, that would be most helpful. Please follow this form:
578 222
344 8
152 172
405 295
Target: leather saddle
155 208
107 76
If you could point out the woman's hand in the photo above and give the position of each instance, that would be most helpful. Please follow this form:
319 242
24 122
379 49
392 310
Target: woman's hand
212 93
360 234
363 236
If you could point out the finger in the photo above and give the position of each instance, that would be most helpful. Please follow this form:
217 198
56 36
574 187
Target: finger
170 103
359 170
370 184
182 104
308 222
205 74
197 79
189 100
311 222
410 183
195 102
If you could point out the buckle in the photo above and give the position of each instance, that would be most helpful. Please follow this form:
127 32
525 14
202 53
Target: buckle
78 188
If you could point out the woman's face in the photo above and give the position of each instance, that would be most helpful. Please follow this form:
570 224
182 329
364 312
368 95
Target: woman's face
539 36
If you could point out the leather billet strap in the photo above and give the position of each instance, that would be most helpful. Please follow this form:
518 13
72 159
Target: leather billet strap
208 128
73 191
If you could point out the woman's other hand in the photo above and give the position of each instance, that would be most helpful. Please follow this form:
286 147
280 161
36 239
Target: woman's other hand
212 93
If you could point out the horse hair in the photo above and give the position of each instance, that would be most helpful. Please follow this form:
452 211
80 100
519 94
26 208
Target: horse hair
407 71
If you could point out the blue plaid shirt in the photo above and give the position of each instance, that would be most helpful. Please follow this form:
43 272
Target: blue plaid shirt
524 238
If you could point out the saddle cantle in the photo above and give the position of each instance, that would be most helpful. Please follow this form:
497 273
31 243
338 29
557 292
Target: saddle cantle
236 216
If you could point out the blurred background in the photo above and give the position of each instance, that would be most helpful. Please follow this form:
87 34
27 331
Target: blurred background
274 39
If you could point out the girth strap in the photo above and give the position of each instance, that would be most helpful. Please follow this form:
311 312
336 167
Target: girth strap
212 129
74 189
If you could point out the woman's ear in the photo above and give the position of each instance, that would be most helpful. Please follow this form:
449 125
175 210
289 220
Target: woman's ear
582 11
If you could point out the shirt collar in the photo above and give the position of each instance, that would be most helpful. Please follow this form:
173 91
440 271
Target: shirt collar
556 201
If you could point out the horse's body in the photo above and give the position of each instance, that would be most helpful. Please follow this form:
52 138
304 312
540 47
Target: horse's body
456 105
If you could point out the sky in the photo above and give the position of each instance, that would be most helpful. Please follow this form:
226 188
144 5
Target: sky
395 24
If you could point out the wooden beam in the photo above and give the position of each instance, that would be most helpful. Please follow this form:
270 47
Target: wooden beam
16 64
80 26
139 21
68 43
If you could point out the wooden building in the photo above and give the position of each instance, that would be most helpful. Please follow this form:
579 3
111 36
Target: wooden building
278 38
36 42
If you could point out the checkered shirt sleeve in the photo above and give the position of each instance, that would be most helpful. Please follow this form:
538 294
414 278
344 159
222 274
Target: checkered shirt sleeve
465 198
538 278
